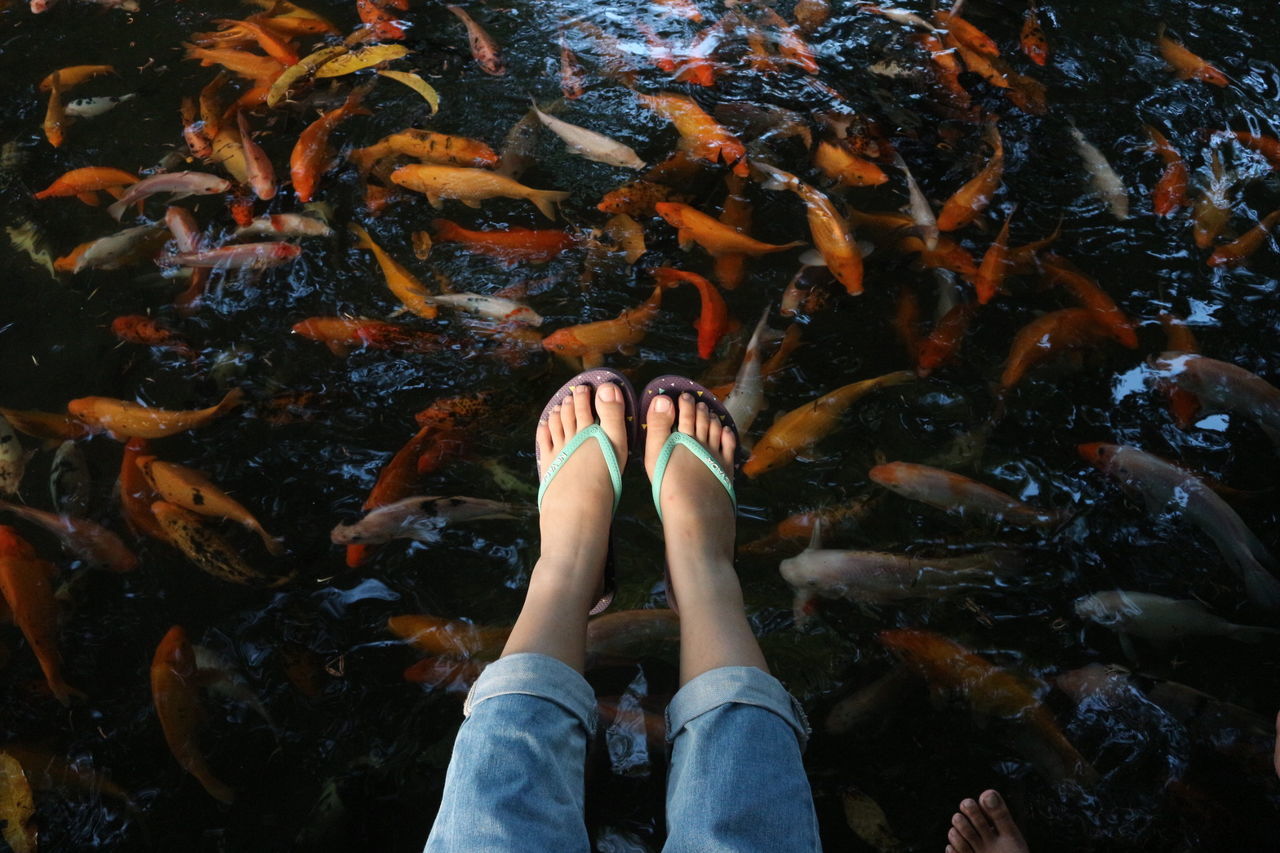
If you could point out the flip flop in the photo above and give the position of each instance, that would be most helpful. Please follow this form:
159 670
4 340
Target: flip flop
674 386
594 378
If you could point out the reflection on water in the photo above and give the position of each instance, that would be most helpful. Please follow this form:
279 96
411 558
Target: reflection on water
1100 740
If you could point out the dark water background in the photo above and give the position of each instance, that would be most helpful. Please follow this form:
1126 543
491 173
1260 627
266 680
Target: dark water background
360 765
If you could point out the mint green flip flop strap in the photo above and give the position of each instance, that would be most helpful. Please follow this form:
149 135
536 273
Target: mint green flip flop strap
610 459
664 456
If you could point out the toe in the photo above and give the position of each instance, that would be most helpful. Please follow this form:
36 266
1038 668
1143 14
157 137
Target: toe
701 416
957 842
555 424
967 830
970 809
658 420
542 438
728 446
582 405
714 431
993 806
568 418
613 417
687 422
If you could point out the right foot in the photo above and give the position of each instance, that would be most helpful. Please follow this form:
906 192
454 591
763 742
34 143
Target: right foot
984 825
697 513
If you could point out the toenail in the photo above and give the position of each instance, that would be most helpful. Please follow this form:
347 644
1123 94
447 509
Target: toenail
702 407
686 397
662 404
991 800
607 393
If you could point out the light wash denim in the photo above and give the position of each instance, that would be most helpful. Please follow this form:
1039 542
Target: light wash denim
515 782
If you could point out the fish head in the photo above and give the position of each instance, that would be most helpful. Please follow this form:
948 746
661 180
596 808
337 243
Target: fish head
671 211
175 652
1097 453
887 474
562 342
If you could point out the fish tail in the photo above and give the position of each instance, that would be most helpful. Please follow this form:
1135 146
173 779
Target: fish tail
546 201
363 240
234 397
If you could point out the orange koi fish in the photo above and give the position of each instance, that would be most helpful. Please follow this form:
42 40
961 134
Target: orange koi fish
310 157
436 635
1046 336
906 322
626 635
55 114
947 255
803 427
713 321
1024 260
847 169
638 198
946 69
122 419
1032 40
991 273
1187 65
717 238
1267 146
1059 271
450 674
1212 208
428 147
262 176
1238 251
700 134
791 45
621 334
695 65
139 329
509 244
86 539
812 14
484 50
341 334
472 186
966 33
972 199
85 183
944 341
251 66
383 25
735 213
232 33
48 425
829 230
402 283
175 690
573 80
26 581
136 494
397 480
1171 190
992 692
1178 334
72 76
191 490
959 495
659 51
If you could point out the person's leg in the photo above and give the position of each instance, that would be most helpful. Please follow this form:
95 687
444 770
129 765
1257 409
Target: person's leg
984 825
737 781
515 781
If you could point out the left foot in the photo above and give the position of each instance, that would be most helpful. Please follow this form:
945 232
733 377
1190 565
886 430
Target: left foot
984 825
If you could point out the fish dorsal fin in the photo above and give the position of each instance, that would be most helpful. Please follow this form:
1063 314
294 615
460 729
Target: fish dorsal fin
815 537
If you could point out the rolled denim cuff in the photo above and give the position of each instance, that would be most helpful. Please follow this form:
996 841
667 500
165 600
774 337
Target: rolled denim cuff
536 675
743 685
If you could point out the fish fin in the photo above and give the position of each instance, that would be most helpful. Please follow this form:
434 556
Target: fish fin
685 238
90 198
337 348
1126 646
435 200
471 203
1262 586
546 201
592 360
812 258
815 537
117 210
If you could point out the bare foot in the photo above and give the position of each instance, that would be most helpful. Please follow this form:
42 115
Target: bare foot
985 826
578 505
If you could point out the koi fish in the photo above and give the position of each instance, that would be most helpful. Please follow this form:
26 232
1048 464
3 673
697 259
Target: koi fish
175 690
310 157
26 581
94 107
47 425
1222 387
207 549
993 692
625 635
959 495
844 167
623 234
421 519
85 183
137 495
181 184
621 334
1058 271
397 480
735 213
262 177
114 251
86 539
745 401
402 283
436 635
381 23
186 234
860 712
966 33
811 14
191 490
573 79
69 480
1046 336
472 186
1171 190
242 256
1267 146
972 199
17 803
1106 183
906 321
484 50
122 419
638 198
791 45
55 117
1031 38
493 307
1187 65
803 427
429 147
340 334
1155 617
1165 487
1212 208
233 33
13 459
1238 251
508 244
713 320
991 272
589 144
281 226
693 226
700 134
829 230
72 76
242 63
361 58
918 205
944 341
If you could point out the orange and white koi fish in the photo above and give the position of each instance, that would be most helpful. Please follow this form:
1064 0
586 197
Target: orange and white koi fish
310 157
397 480
383 25
241 256
341 334
972 199
1187 65
484 50
421 518
993 692
713 320
402 283
1238 251
86 539
1047 336
472 186
621 334
175 690
803 427
122 419
1220 386
436 635
1171 190
1059 271
193 491
181 184
717 238
53 426
508 244
959 495
829 230
700 134
491 307
85 183
26 581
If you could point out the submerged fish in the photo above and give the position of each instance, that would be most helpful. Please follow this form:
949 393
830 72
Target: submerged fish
179 184
207 549
26 582
589 144
694 226
69 486
1155 617
191 490
483 48
472 186
1106 183
421 519
123 419
829 230
175 690
957 494
88 540
13 459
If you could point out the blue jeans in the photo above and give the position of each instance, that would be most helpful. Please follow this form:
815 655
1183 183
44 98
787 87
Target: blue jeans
515 782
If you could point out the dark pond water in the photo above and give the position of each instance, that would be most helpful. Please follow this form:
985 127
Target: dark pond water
354 757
